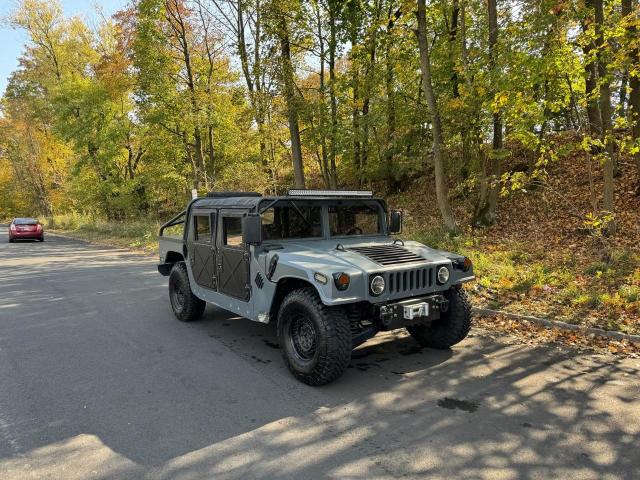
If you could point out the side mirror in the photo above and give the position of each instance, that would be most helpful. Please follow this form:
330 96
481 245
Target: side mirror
395 221
252 229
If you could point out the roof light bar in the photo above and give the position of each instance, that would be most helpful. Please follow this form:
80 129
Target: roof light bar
330 193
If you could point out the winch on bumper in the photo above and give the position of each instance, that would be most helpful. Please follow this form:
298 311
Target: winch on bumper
411 311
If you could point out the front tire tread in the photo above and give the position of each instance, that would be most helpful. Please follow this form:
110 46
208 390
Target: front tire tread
193 307
335 350
451 329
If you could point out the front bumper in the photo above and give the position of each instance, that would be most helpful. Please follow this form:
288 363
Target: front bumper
412 311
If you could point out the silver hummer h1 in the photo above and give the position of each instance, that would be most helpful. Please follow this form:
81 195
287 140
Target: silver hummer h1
323 265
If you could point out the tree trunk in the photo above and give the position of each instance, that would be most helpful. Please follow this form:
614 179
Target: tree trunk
252 73
605 115
497 119
467 130
189 158
323 157
211 153
368 81
174 17
37 177
355 123
438 153
453 34
292 104
355 87
634 82
392 181
622 94
242 50
332 93
591 77
199 153
130 173
485 213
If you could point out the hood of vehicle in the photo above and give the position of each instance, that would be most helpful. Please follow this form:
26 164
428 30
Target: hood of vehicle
371 254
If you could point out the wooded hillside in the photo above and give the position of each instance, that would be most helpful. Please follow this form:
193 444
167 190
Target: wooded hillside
124 117
514 126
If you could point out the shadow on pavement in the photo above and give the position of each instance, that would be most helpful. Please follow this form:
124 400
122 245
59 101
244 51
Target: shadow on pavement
99 377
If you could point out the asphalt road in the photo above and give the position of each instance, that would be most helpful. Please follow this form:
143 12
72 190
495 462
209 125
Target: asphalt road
99 381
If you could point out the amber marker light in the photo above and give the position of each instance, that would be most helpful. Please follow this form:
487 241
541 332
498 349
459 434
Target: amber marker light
341 280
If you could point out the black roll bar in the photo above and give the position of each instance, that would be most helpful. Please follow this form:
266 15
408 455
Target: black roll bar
174 221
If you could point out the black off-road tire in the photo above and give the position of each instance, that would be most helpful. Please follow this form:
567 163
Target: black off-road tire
186 306
452 327
330 353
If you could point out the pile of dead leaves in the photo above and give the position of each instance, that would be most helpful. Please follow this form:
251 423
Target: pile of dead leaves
533 334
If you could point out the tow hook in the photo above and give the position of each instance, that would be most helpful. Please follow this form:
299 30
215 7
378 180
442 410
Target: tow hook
439 302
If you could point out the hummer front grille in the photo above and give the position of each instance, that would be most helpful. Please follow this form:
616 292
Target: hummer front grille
388 254
408 280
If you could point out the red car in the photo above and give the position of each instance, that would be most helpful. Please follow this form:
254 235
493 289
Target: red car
26 228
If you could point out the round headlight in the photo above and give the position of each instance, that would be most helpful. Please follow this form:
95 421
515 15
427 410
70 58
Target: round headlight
377 285
443 275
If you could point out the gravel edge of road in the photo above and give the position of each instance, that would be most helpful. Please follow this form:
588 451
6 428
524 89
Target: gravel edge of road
613 334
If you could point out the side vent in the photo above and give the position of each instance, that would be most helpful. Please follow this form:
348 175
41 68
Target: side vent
259 280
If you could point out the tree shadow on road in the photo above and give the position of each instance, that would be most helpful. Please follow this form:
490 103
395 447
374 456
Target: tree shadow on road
212 399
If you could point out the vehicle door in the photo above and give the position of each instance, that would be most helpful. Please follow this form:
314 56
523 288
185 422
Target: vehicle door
202 254
233 256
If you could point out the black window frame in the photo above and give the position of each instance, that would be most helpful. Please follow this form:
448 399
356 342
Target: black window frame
196 235
382 222
223 231
296 204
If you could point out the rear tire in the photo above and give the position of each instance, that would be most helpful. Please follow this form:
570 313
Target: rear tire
10 240
452 327
315 339
186 306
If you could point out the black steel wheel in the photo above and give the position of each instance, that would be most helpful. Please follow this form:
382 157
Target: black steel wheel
315 339
302 335
177 293
186 306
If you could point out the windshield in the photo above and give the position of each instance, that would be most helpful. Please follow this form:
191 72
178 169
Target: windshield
295 219
25 221
289 219
355 218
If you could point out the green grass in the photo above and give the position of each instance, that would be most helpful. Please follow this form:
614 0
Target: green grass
135 234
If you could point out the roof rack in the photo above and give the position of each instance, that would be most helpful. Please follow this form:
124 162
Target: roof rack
232 194
330 193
